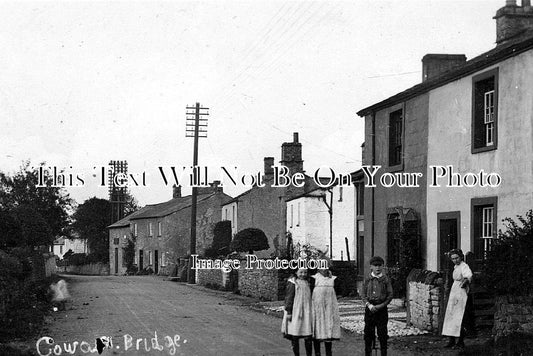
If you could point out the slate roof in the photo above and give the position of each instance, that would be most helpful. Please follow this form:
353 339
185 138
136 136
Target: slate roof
126 221
510 48
163 209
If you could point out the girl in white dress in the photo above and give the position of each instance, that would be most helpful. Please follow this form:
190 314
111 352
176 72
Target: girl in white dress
297 319
326 319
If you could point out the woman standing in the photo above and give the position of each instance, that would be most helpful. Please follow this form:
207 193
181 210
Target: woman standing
326 319
457 310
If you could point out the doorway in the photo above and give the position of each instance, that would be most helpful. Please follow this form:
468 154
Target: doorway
156 261
141 260
116 260
448 236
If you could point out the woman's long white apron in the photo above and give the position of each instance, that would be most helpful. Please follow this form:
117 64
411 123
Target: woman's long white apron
455 309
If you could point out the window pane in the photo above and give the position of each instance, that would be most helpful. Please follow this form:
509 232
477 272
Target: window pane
395 138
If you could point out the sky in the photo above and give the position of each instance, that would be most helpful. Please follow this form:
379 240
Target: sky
84 83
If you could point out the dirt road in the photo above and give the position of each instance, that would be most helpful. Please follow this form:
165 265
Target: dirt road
147 315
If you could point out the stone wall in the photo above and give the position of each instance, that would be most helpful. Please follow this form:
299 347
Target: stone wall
264 284
514 314
216 278
424 295
92 269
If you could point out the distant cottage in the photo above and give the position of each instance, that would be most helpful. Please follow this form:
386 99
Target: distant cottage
162 231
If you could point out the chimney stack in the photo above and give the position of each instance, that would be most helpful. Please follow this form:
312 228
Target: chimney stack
433 65
269 162
291 155
176 191
512 20
214 187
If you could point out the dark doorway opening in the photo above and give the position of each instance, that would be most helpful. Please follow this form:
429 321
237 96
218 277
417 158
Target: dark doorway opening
448 236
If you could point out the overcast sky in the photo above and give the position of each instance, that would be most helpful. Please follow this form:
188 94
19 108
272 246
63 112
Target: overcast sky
86 83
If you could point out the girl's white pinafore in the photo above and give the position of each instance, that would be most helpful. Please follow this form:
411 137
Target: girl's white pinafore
326 319
301 323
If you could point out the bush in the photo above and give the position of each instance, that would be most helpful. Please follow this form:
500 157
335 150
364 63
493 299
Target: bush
409 258
222 238
508 267
249 240
23 300
129 256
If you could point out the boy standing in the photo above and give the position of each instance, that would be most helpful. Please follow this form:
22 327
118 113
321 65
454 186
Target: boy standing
376 294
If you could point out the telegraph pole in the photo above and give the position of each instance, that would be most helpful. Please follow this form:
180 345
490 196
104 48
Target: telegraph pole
195 127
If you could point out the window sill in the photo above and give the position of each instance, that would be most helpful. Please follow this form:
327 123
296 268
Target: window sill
484 149
396 168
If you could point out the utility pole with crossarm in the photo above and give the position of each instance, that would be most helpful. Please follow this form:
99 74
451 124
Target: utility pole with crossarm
196 126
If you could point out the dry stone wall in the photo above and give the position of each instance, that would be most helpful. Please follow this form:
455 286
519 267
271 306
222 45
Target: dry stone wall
424 294
514 314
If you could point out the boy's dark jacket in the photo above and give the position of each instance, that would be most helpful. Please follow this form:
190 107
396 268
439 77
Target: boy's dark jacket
377 291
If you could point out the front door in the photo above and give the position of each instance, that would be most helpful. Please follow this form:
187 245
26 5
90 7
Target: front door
156 262
116 260
141 260
448 237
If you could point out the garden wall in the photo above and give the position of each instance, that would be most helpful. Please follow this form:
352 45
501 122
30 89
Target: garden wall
217 279
92 269
270 284
514 314
424 296
264 284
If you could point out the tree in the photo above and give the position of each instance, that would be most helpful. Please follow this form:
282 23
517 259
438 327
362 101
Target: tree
508 267
221 240
131 206
249 240
90 222
129 255
31 215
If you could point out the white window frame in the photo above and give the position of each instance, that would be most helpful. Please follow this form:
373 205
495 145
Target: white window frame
135 229
159 228
487 226
292 214
488 109
150 229
298 218
163 259
150 258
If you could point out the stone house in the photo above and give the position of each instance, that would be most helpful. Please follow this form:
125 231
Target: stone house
162 231
325 218
264 207
466 120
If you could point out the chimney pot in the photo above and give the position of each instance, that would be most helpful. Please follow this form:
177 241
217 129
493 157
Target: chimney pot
295 137
510 2
176 191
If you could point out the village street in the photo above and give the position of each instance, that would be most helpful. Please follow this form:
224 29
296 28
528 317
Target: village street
188 319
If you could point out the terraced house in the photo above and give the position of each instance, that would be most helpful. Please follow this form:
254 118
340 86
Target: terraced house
162 231
465 120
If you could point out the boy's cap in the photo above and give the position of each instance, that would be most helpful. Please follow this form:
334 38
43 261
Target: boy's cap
376 260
